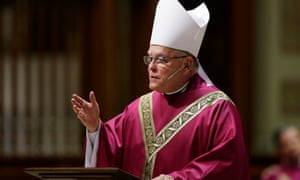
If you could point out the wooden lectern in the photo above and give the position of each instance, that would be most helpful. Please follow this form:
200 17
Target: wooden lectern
78 173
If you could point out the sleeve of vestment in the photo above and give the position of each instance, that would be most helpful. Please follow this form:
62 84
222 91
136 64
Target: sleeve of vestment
91 148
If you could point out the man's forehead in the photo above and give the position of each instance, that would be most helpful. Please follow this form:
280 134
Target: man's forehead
162 50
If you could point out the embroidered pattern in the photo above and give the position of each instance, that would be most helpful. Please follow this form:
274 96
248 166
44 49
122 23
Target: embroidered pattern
154 143
145 112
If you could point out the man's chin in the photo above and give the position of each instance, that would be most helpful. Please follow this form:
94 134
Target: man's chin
154 88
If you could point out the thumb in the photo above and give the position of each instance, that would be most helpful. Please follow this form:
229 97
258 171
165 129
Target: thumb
93 98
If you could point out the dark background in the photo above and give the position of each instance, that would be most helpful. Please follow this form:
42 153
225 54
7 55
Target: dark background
226 55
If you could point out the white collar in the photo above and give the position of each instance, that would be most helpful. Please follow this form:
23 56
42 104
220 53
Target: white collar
180 90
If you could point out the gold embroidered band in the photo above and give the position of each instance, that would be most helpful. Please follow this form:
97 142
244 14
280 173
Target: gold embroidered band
154 143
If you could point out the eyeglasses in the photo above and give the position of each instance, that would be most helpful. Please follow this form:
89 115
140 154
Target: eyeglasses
160 60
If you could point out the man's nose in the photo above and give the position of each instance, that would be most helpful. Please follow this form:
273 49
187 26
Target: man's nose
152 66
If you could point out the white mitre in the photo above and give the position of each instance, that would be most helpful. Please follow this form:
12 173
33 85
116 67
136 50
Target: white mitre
177 28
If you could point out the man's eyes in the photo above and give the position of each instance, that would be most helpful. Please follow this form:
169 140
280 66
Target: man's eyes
162 60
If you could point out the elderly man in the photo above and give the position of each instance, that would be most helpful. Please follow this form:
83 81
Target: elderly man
185 128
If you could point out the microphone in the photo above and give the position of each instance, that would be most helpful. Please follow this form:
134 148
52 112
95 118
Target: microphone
176 72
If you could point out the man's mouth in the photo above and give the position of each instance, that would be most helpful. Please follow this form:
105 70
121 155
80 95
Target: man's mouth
154 77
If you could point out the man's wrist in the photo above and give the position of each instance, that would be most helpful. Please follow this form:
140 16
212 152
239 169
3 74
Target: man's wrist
94 129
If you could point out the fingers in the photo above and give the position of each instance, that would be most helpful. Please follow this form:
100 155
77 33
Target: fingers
87 112
81 116
76 109
77 100
77 103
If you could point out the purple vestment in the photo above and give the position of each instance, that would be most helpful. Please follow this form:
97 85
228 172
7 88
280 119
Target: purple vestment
210 146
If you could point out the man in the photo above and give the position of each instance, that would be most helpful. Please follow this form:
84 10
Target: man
287 142
185 128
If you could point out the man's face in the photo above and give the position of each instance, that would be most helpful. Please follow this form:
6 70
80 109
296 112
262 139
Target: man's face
290 145
166 71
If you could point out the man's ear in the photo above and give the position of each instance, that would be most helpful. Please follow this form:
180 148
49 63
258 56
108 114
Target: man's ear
189 63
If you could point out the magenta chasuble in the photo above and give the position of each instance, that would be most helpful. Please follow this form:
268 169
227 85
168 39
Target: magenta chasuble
204 142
